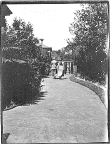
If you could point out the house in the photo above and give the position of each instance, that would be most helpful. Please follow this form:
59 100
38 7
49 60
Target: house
5 11
45 49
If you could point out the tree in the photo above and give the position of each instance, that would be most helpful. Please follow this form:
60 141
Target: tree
90 36
20 79
63 52
20 35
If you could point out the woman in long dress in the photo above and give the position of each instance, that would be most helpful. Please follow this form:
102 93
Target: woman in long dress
53 68
60 69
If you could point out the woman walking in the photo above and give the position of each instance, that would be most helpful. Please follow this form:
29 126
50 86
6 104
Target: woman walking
60 69
53 68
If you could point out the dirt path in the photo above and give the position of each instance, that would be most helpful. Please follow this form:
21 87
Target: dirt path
68 112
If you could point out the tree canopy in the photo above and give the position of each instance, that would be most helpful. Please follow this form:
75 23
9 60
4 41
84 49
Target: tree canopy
20 35
89 43
23 65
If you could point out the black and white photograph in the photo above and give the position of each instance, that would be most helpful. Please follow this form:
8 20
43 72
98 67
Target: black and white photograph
54 71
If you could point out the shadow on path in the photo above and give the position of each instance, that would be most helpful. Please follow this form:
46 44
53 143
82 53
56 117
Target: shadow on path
70 113
61 78
38 98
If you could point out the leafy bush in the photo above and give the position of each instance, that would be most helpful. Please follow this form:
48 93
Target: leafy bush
19 83
93 69
89 44
99 91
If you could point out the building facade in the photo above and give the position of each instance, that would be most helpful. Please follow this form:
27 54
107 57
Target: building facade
46 50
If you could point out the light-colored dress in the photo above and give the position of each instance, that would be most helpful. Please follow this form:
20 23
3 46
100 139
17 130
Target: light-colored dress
60 70
53 64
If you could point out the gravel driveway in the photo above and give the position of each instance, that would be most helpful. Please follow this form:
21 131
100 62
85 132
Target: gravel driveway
67 112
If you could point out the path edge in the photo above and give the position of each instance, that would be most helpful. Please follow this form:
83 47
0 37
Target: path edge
99 91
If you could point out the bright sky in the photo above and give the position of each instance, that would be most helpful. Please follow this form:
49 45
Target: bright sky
50 21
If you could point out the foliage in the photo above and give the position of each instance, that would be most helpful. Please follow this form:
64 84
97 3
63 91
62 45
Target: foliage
45 65
20 35
23 66
20 83
18 42
90 41
98 90
61 53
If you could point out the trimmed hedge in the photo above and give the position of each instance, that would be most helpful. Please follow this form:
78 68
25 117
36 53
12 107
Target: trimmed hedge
95 68
99 91
20 83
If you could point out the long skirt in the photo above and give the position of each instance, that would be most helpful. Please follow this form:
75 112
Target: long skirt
60 72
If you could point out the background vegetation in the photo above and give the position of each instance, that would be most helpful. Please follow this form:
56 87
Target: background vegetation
89 43
23 65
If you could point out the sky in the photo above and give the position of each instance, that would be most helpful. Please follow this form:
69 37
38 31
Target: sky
50 21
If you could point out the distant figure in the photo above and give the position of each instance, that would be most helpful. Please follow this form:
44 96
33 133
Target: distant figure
53 68
56 67
60 69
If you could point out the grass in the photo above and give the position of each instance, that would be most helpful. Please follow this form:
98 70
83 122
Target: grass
99 91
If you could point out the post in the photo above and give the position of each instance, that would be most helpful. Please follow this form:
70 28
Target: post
71 67
65 64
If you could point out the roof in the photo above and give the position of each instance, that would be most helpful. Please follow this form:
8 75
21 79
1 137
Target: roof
4 60
43 46
38 44
7 48
5 10
54 54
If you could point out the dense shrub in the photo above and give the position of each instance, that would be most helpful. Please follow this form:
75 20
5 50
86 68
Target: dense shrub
21 79
89 44
19 83
94 69
99 91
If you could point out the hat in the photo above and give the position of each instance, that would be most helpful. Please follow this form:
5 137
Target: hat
53 58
